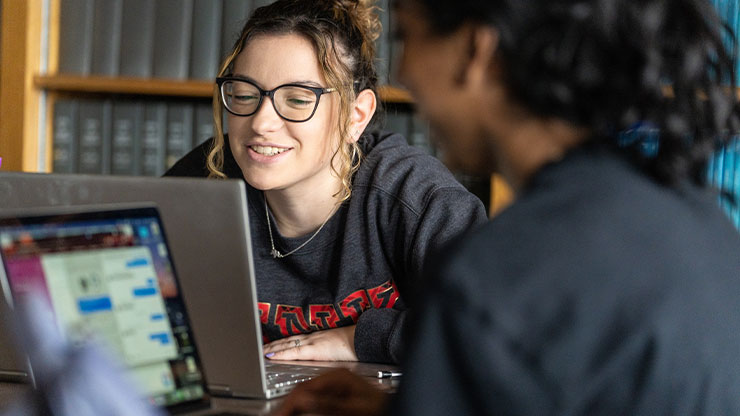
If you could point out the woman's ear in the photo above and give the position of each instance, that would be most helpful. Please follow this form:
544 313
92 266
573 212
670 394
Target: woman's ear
483 41
363 110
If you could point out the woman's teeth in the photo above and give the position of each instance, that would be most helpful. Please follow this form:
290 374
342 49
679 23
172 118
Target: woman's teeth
268 150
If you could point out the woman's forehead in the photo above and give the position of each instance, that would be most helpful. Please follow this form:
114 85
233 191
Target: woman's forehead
279 59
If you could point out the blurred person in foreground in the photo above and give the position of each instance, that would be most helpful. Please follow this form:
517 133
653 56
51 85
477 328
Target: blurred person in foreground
69 379
611 285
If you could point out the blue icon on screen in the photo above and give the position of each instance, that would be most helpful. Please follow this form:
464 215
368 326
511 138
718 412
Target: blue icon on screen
143 231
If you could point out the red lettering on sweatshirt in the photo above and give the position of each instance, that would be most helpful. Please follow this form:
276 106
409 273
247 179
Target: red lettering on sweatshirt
264 310
323 316
291 321
353 305
384 296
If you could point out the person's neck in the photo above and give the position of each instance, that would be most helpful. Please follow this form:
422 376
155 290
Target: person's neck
301 209
527 145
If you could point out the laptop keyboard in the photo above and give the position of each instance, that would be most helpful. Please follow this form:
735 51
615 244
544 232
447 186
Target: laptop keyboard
284 375
281 379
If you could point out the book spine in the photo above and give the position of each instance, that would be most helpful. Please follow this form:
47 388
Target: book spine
137 38
420 134
179 131
235 13
204 50
76 36
92 134
153 139
394 47
64 135
203 129
382 44
398 122
172 33
127 117
106 46
107 143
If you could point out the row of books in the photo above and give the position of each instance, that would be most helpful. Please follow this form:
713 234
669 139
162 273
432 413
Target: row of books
145 137
176 39
173 39
126 137
724 174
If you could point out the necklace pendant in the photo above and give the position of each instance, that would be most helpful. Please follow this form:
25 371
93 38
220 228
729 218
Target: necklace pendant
276 254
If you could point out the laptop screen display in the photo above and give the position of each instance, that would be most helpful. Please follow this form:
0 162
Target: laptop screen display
108 276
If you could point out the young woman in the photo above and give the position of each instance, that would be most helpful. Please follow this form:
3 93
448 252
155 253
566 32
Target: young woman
341 219
611 285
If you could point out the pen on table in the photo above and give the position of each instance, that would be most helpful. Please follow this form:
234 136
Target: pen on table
389 374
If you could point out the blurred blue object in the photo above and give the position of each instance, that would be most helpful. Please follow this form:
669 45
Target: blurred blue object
723 173
644 136
79 381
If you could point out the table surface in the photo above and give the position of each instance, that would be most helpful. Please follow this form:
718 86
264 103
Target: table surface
9 392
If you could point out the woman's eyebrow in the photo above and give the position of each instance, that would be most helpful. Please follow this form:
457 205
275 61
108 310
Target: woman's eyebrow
306 82
310 83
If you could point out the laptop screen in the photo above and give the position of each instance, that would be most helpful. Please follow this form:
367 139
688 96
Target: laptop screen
108 276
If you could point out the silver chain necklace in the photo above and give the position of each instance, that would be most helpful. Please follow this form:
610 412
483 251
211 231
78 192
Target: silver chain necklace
277 254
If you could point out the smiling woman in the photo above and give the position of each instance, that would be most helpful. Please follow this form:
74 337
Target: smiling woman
343 217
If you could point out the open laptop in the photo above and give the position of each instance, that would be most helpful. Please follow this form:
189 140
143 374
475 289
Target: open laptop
108 275
208 231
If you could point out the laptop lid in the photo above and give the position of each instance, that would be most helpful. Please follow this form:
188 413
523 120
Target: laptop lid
12 365
208 229
109 275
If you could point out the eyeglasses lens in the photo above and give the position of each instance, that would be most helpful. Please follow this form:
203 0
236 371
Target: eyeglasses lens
291 102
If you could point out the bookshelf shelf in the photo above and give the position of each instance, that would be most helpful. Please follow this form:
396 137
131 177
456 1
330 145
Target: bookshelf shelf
160 87
119 85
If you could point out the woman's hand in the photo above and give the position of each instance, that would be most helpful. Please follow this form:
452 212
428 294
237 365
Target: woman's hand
337 392
337 344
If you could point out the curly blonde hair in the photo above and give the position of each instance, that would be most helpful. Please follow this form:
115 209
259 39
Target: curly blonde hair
343 33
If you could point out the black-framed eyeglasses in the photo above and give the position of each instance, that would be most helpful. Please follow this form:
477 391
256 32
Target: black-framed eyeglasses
292 102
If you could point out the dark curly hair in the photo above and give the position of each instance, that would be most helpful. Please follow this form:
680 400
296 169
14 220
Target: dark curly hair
611 64
343 33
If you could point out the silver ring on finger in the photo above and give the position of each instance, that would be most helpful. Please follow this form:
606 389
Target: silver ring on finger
297 342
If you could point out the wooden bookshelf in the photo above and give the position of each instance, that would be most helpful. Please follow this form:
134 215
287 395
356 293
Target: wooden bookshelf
133 86
159 87
502 195
668 92
20 51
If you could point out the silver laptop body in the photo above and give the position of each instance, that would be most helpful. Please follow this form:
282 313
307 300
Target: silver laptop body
208 231
12 366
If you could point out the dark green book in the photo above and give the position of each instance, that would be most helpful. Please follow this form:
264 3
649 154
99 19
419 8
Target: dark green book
137 38
76 36
173 29
64 136
126 143
153 131
204 49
